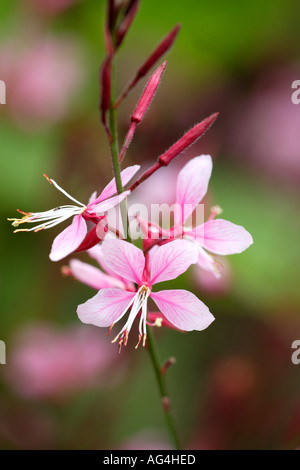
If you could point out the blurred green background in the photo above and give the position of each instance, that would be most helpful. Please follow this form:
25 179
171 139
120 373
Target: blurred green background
234 385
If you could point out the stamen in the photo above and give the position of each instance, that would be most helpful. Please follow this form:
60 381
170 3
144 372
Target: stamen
158 322
140 339
115 339
63 191
215 210
110 328
125 337
138 302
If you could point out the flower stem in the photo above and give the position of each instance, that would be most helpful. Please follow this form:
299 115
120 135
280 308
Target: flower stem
114 147
165 400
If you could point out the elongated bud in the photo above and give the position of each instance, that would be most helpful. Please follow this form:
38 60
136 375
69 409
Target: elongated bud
126 23
156 55
182 144
111 14
187 139
142 106
105 80
148 93
160 50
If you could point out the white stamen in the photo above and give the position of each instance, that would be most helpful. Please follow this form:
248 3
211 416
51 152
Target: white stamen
52 217
137 303
65 193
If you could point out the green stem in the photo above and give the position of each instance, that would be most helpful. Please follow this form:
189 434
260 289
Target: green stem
115 155
165 400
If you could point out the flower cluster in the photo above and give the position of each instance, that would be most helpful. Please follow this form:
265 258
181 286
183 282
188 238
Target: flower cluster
128 274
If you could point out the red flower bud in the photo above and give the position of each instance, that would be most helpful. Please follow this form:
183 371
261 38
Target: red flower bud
160 50
126 23
187 139
182 144
105 80
148 93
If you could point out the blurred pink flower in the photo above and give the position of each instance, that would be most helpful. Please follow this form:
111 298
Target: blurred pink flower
159 189
265 125
49 363
42 76
208 282
51 7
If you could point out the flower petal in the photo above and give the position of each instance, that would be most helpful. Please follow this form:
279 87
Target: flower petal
92 198
108 204
69 239
172 259
183 309
225 238
192 184
111 188
105 307
92 276
208 262
124 259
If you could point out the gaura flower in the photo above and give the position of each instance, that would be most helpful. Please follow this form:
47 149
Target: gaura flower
218 236
180 307
102 278
71 237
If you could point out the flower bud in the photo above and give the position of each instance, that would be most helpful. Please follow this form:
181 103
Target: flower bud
126 23
148 93
187 139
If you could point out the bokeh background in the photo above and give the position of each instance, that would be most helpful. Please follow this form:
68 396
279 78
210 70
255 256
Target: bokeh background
234 385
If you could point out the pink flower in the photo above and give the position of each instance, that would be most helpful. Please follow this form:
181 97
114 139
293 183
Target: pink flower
104 277
51 7
218 236
30 64
47 363
180 307
72 237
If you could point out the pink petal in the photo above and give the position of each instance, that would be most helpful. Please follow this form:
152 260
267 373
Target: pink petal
97 254
124 259
111 188
105 307
69 239
172 259
192 184
108 204
183 309
92 276
225 238
208 263
93 198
